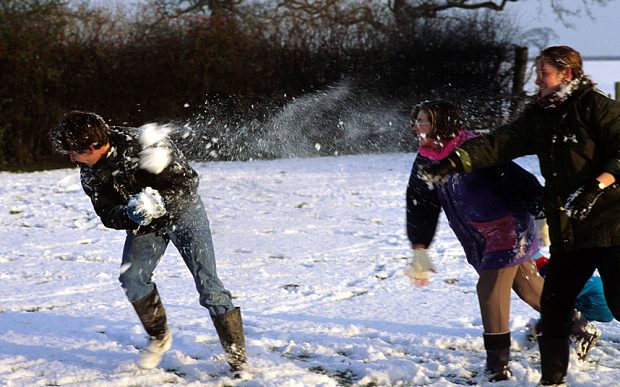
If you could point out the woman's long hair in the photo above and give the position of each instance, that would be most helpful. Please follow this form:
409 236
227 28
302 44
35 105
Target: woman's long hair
563 57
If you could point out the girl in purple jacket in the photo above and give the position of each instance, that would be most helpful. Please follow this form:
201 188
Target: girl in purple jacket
492 213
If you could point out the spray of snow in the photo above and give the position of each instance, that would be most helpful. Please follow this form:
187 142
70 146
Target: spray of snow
155 154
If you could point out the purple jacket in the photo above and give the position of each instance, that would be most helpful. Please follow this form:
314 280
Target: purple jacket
491 212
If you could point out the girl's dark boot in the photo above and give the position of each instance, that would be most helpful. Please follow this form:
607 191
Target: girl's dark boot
497 346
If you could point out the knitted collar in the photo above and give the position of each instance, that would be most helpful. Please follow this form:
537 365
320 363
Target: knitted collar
446 148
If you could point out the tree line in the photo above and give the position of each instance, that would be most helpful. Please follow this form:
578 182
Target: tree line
242 77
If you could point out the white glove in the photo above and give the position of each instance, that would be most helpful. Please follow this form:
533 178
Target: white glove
145 206
419 267
542 232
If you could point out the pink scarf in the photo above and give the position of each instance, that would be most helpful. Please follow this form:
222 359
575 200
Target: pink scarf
447 148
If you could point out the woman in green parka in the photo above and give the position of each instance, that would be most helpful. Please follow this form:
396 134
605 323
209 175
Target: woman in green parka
574 129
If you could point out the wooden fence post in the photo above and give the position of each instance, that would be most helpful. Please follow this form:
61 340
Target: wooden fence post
617 91
518 78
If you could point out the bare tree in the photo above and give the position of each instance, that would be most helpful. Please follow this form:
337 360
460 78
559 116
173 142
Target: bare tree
565 12
432 8
399 16
175 8
332 11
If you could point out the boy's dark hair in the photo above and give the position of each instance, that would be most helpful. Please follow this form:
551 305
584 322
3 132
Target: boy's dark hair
446 121
78 130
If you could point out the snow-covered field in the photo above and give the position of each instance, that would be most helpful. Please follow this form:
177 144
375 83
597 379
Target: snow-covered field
605 73
313 251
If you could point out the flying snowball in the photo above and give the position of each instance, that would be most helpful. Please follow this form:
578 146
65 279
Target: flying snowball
155 159
151 134
155 155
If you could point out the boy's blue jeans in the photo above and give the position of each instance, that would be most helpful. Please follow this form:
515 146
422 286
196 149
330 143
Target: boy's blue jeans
191 235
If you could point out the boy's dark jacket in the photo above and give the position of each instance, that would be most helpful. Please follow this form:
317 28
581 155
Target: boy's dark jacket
111 181
491 212
575 142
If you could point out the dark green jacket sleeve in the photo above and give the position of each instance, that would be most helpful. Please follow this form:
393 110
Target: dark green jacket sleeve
500 146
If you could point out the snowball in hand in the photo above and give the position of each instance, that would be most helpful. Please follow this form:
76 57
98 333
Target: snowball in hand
146 205
155 154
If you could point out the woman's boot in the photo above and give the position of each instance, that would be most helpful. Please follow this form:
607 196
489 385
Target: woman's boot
583 334
497 346
554 353
152 314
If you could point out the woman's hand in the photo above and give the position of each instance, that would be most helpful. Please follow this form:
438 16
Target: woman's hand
580 203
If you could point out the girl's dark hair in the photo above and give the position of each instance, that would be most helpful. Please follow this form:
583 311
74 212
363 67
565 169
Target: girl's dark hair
563 57
78 130
445 118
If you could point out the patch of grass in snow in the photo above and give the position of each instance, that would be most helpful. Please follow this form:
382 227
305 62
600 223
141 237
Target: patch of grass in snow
343 377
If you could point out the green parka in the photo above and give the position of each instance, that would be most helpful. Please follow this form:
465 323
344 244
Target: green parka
575 142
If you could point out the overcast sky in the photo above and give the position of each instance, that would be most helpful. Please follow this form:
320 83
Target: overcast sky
590 36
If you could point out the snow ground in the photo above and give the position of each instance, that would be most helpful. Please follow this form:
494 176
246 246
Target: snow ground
313 251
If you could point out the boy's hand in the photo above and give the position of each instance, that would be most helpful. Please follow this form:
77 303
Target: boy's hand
419 267
137 214
145 206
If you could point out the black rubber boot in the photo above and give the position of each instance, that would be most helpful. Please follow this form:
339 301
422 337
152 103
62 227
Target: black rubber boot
498 355
229 327
152 314
554 354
